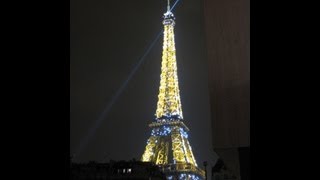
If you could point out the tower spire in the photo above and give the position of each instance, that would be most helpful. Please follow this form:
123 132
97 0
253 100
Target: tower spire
168 6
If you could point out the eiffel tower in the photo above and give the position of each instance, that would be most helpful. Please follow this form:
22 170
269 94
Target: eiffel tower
168 145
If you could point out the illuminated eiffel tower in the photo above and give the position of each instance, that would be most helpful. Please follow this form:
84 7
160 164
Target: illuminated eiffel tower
168 145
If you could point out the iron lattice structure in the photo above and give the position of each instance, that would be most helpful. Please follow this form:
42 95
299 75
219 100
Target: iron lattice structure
168 145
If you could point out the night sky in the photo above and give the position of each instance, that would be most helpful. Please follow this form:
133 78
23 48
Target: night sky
107 39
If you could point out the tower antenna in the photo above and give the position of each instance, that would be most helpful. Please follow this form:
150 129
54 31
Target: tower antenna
168 6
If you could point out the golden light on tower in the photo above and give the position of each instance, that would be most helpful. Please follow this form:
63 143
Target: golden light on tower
168 145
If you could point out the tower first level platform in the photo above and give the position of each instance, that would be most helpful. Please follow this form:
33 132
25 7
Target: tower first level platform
168 146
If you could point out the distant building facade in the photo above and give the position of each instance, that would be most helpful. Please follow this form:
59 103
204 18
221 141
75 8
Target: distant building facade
115 170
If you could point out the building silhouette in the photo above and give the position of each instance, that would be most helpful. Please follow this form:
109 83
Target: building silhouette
227 26
115 170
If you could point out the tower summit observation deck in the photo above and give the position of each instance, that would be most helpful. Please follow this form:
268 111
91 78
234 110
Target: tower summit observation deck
168 146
